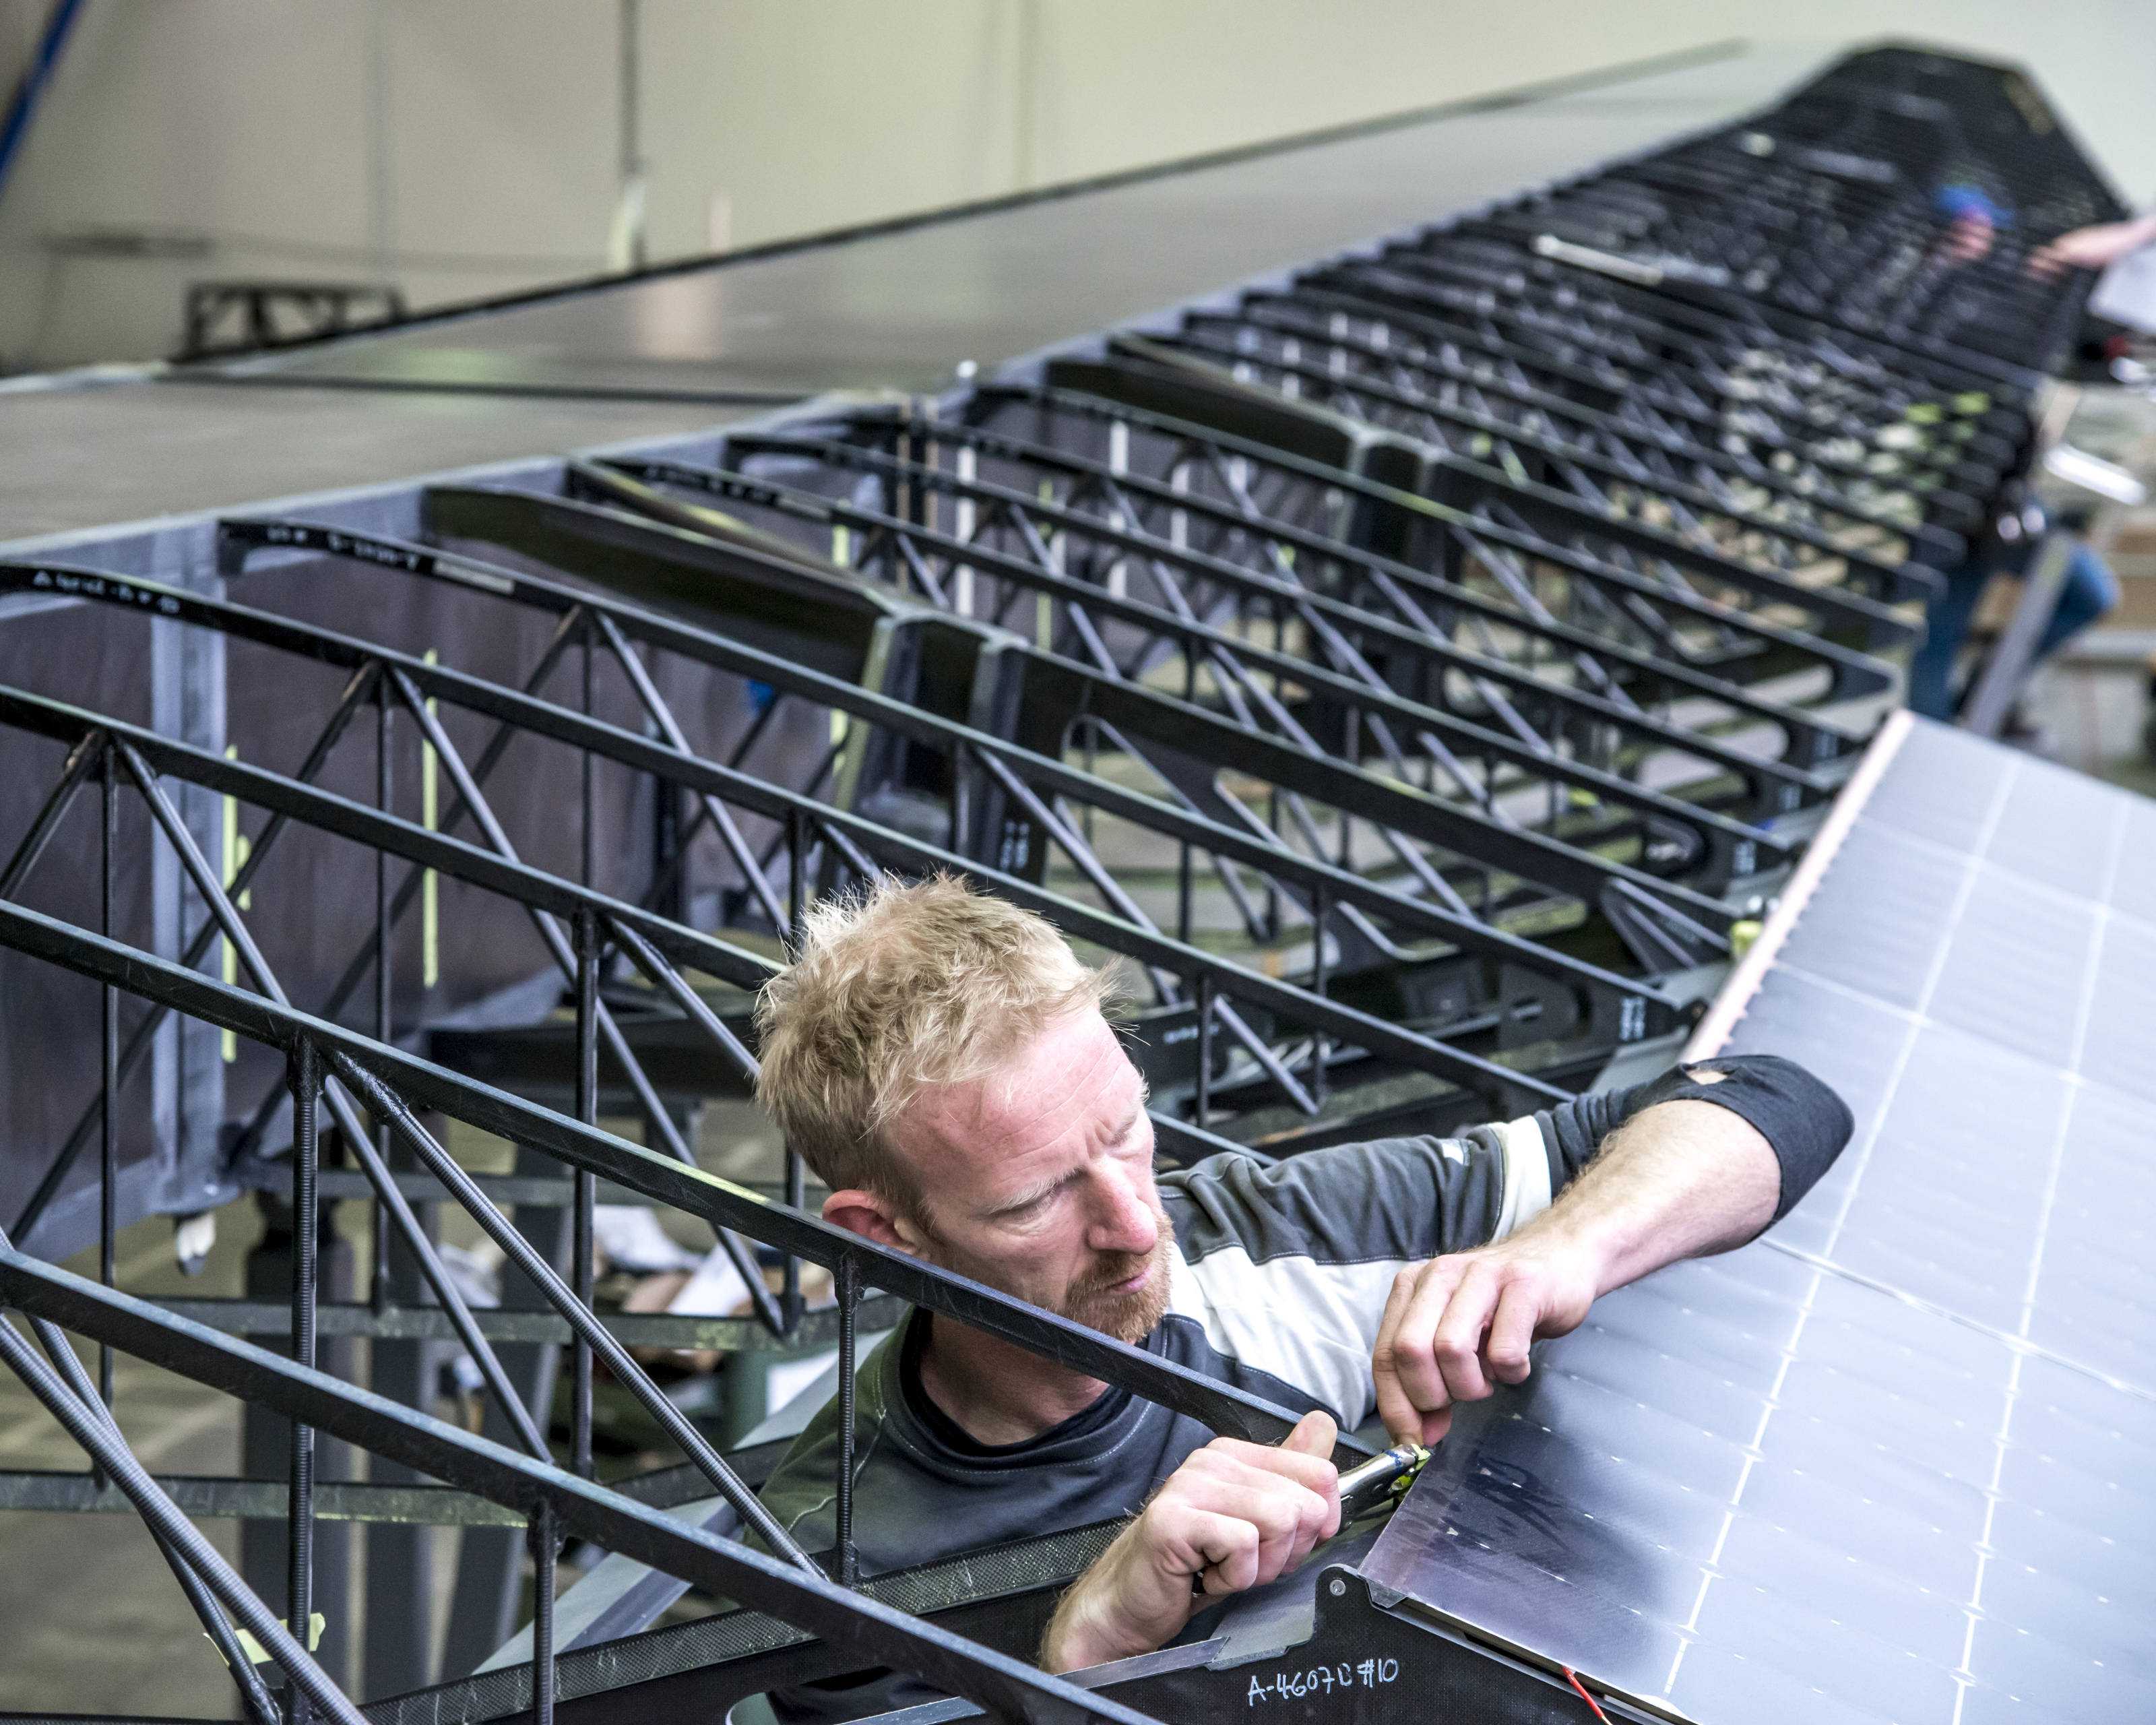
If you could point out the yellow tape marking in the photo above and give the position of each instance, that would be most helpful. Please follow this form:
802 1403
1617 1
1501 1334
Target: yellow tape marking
430 898
236 850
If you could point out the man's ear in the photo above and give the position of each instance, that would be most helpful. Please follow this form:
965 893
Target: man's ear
873 1217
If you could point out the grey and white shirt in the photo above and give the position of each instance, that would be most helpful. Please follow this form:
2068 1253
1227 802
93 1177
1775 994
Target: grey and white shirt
1279 1278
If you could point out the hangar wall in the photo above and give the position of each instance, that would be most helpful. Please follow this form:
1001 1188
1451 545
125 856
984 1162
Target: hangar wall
473 149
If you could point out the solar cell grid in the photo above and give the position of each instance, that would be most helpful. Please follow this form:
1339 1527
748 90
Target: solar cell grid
1894 1465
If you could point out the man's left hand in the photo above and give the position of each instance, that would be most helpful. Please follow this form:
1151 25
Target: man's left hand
1457 1326
1681 1178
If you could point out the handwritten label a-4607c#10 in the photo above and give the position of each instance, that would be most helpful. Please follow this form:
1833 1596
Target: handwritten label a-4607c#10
1323 1680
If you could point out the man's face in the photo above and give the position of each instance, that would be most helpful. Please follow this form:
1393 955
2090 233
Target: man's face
1038 1180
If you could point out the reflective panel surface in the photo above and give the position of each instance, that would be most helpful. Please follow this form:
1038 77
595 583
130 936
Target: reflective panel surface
1897 1463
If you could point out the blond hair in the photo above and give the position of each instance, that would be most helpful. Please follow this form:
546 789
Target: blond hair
900 988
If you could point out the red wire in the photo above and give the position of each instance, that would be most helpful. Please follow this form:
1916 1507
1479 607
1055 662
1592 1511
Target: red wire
1572 1677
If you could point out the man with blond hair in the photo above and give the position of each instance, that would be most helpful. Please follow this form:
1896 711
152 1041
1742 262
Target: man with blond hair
941 1059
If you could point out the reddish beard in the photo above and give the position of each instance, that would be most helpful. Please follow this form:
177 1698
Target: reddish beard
1102 1303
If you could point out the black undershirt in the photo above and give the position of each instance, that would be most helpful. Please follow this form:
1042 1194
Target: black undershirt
1103 1411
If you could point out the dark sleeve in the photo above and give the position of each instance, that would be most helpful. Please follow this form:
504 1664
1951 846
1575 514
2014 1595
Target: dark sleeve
1399 1199
861 1695
1803 1121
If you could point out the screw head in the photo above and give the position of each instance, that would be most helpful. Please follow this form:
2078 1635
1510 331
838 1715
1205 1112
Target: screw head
1337 1587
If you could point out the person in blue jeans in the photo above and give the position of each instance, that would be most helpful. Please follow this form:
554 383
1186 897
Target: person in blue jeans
2089 590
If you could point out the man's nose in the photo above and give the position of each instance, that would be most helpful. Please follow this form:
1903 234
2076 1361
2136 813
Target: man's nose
1125 1219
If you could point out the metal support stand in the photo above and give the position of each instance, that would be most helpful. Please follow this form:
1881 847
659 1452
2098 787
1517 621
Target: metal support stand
401 1560
265 1447
486 1609
2006 669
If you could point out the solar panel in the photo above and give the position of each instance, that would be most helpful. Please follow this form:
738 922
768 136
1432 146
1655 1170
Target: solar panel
1895 1464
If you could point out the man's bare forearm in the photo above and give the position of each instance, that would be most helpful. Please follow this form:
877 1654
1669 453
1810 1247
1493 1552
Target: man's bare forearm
1681 1179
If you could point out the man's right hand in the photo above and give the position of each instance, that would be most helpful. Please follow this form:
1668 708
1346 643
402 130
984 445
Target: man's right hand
1235 1515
